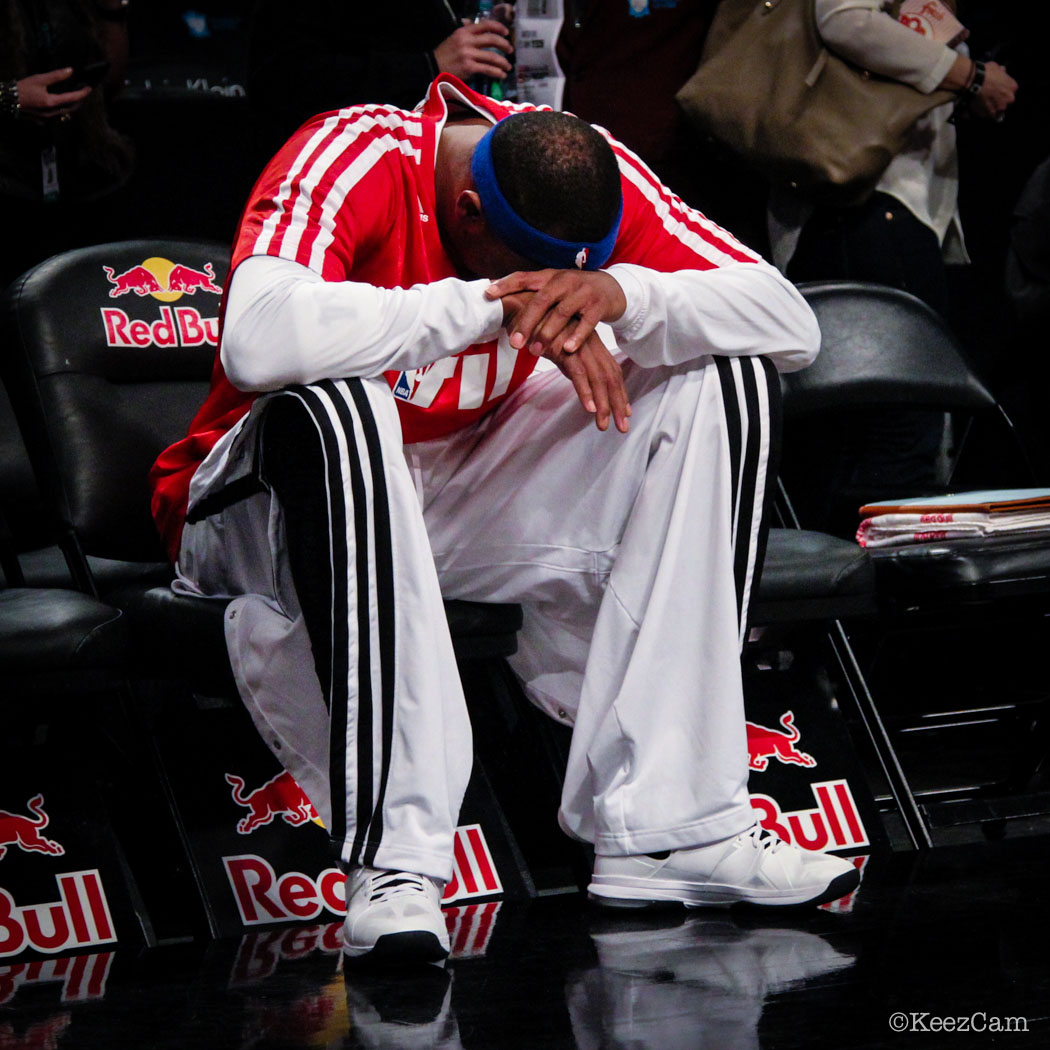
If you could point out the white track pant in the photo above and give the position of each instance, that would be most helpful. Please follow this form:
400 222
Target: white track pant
632 556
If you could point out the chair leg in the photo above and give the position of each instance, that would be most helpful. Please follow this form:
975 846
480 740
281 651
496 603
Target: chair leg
914 823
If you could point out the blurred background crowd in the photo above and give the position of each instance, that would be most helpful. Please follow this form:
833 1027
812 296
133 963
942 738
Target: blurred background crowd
177 109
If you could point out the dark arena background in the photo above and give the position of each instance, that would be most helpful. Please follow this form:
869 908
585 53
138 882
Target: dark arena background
163 884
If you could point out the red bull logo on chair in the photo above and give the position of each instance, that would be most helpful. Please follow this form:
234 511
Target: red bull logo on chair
167 282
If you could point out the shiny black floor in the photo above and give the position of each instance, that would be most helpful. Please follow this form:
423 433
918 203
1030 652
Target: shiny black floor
949 940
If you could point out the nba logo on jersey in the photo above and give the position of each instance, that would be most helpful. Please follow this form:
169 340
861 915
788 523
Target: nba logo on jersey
403 388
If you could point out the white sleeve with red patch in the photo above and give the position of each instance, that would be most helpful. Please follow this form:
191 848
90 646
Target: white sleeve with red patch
286 324
693 289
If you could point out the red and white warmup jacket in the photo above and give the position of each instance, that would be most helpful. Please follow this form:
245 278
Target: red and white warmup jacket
352 184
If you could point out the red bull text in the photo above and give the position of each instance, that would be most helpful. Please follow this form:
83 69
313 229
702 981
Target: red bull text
82 977
262 896
835 824
79 919
469 926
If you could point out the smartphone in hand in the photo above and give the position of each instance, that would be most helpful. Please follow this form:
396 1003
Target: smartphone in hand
89 74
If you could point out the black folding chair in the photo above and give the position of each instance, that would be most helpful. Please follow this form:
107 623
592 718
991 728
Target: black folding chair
953 655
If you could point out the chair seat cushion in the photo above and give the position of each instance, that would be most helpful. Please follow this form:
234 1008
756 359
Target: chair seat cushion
46 567
975 570
182 634
812 575
53 630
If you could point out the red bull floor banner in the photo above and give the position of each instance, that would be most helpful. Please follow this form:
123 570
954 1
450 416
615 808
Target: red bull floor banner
806 781
260 854
62 886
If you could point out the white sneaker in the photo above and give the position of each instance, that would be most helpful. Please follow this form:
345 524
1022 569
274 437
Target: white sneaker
394 917
756 866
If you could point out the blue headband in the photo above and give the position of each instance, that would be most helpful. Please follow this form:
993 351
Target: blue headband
524 238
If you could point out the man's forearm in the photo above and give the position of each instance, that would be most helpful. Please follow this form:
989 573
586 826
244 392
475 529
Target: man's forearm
736 310
284 324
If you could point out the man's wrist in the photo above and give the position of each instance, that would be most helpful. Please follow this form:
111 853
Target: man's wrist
635 294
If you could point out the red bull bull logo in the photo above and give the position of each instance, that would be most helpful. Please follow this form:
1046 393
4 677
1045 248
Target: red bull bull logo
79 919
24 832
262 896
834 824
764 743
162 279
280 797
167 282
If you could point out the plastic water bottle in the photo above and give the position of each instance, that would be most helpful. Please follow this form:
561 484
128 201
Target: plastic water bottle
502 90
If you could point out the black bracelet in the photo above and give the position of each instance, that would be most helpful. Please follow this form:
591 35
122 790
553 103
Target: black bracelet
975 85
9 104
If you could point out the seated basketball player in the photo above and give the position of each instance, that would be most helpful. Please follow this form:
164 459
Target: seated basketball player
380 433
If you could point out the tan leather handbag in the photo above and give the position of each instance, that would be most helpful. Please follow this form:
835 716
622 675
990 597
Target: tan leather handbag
769 90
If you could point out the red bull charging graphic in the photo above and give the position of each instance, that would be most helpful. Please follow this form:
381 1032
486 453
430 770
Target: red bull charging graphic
280 797
764 743
24 832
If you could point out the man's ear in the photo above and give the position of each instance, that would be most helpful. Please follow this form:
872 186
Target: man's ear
468 208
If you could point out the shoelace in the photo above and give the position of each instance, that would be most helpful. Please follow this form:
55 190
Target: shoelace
764 839
396 884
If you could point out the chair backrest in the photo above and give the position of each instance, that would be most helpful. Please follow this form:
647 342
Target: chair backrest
20 500
881 346
107 352
889 365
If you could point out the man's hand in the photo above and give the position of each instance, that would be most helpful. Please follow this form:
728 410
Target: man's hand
598 380
560 315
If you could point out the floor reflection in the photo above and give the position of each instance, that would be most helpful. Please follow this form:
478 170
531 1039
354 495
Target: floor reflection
948 933
686 984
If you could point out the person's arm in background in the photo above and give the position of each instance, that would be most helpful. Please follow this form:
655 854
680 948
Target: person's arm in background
332 55
861 31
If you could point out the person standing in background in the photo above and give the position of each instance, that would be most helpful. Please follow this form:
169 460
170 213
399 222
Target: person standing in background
623 64
902 236
332 55
59 61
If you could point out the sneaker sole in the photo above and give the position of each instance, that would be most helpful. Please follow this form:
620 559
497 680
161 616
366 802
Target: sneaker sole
405 948
626 892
